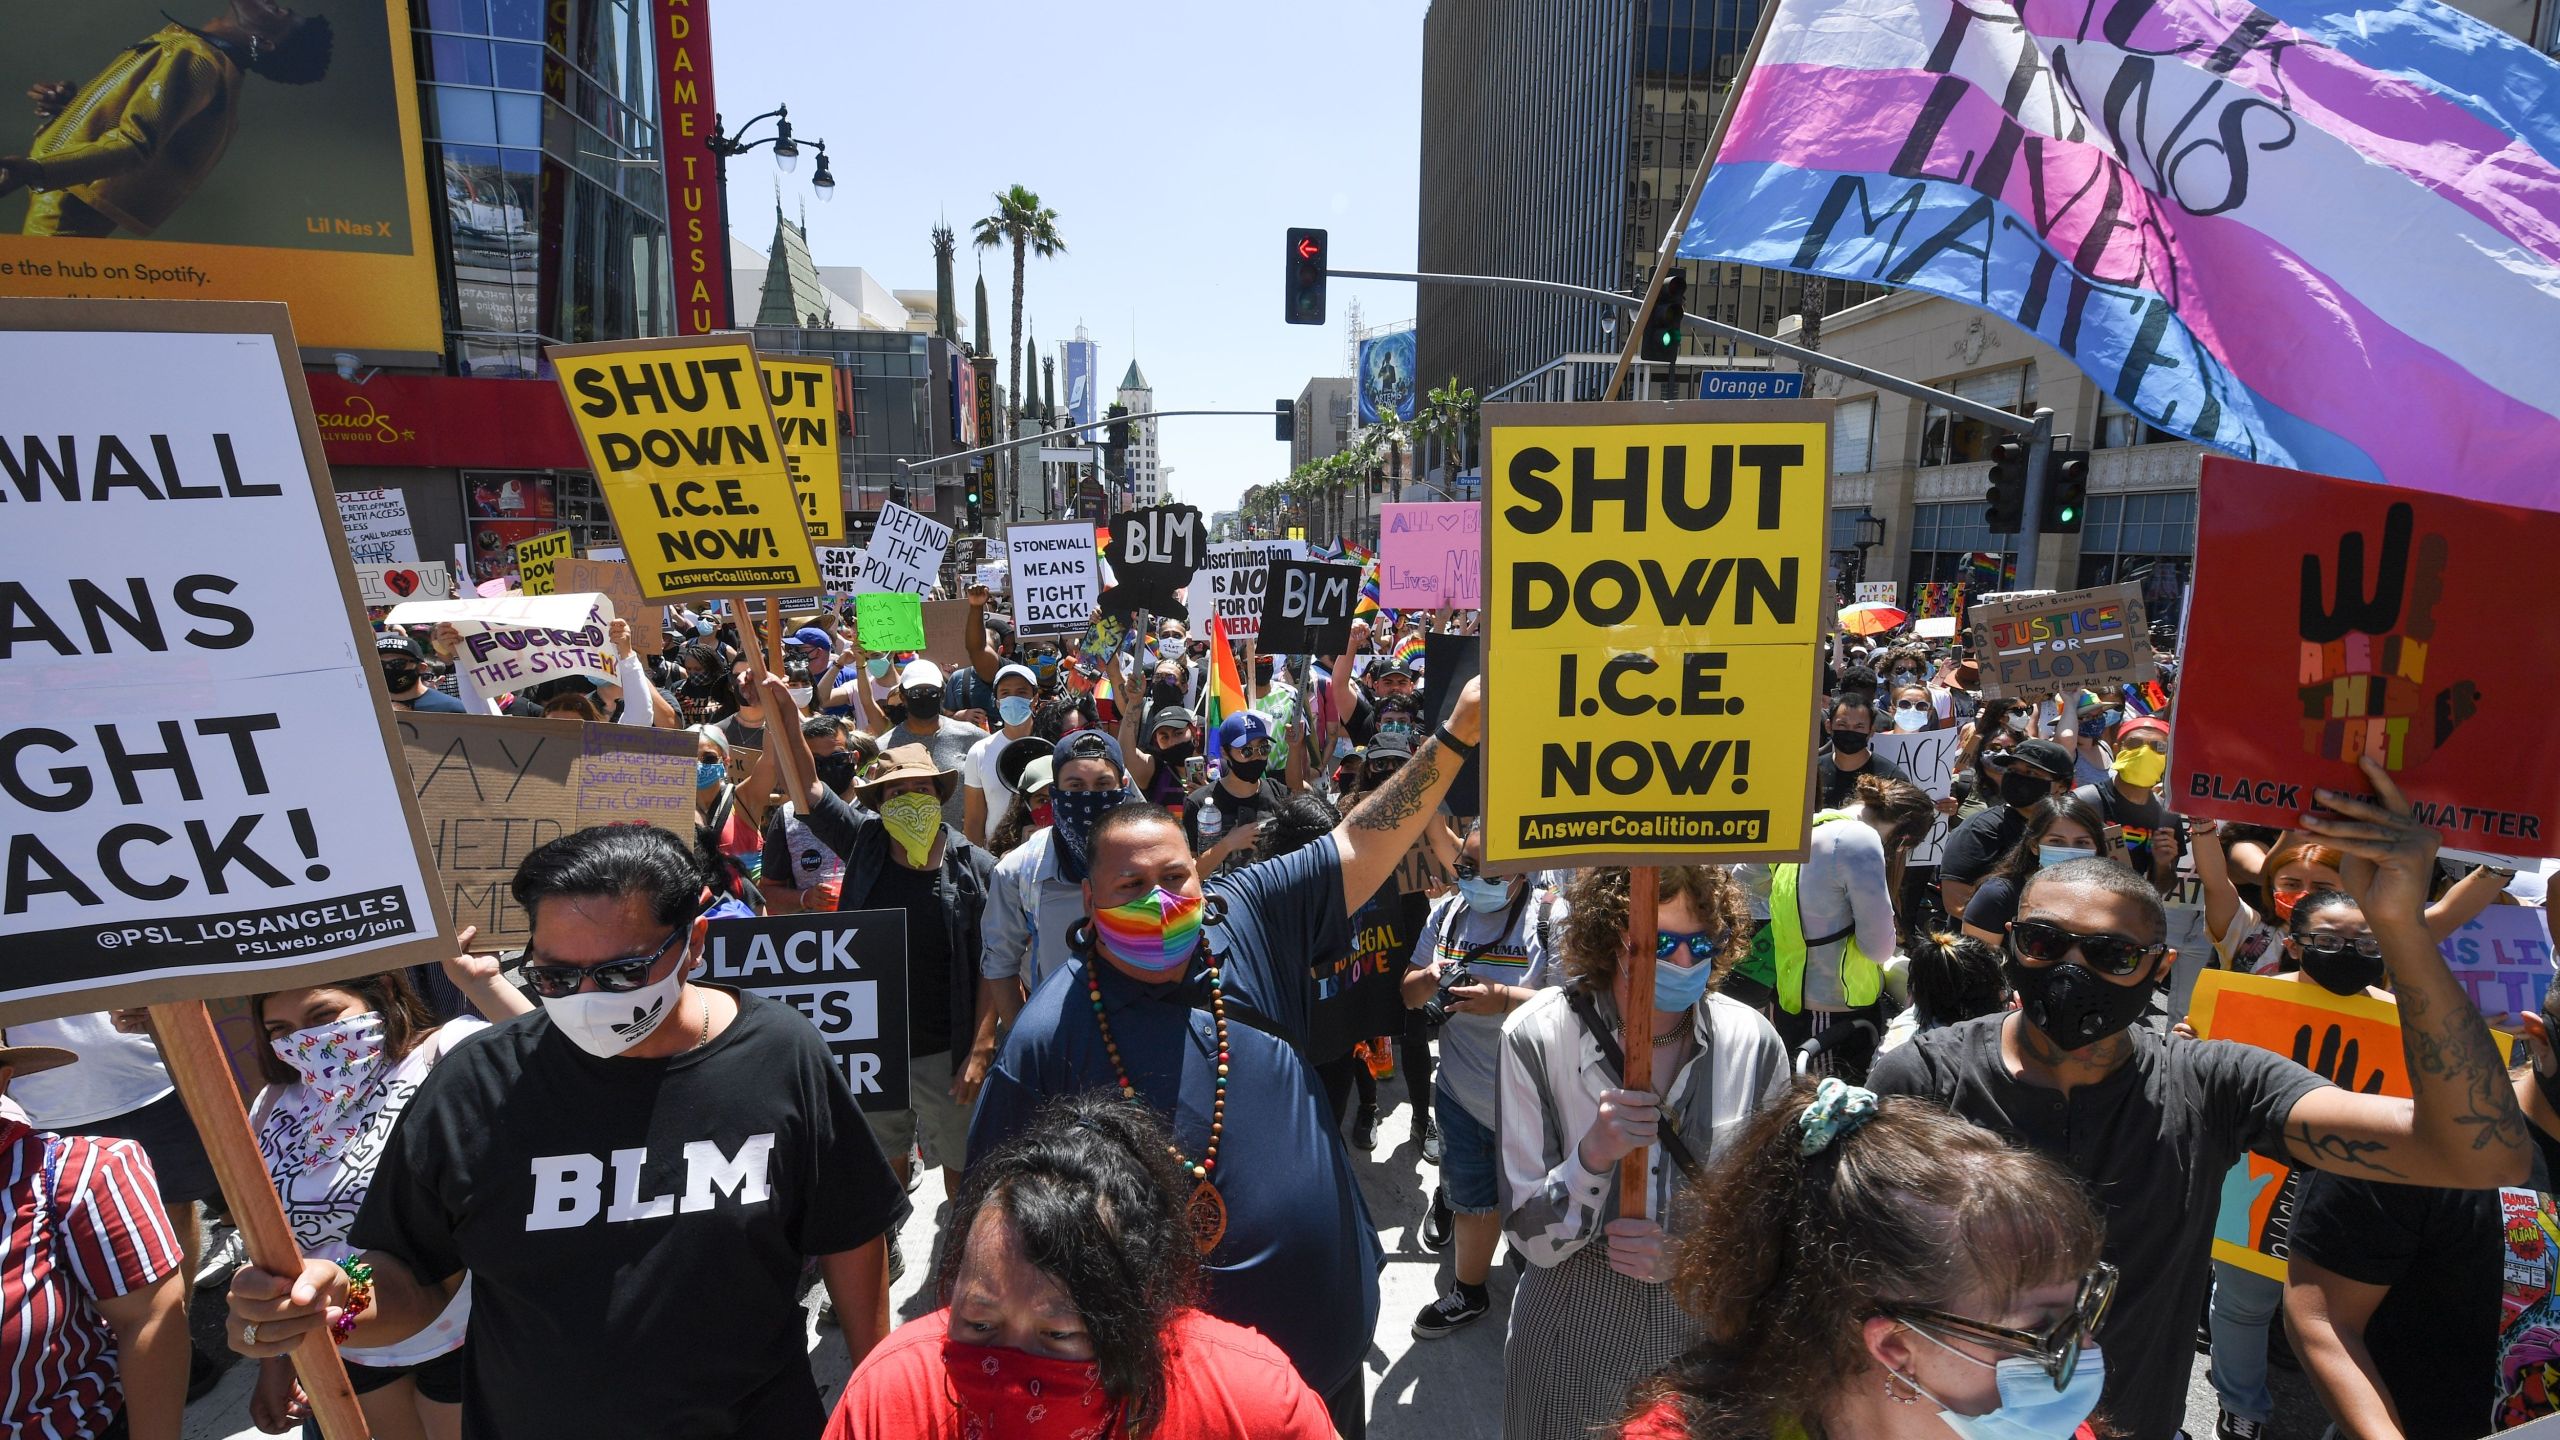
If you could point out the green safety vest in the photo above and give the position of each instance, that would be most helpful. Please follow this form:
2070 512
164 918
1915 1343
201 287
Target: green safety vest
1860 981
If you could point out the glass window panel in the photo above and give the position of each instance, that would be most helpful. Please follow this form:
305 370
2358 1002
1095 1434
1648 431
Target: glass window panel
516 19
517 67
520 120
1853 434
467 116
458 61
471 16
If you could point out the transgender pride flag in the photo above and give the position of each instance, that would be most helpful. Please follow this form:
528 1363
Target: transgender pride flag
2304 232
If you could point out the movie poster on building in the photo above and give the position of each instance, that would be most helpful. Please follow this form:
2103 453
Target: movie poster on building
296 175
1652 622
2332 619
1387 363
685 451
211 800
803 396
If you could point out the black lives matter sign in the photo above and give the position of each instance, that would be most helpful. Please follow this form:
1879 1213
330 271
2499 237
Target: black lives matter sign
846 972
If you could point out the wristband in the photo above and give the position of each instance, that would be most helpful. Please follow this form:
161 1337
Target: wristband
1450 740
359 1298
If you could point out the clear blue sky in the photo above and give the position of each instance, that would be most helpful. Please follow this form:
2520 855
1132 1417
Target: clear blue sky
1176 142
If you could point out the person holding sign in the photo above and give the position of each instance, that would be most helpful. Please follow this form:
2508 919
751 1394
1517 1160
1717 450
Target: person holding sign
644 1163
2153 1124
1195 995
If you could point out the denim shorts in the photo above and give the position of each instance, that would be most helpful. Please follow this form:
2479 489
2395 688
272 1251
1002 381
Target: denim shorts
1470 1156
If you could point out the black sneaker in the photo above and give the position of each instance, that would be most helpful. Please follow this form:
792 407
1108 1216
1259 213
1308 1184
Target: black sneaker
1453 1311
1364 1128
1438 1224
1430 1141
2227 1426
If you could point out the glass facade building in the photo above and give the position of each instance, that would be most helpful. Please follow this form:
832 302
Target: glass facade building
902 409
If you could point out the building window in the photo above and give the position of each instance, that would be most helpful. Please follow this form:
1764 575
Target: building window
501 507
2119 427
1943 537
1844 526
1947 438
2148 536
1853 437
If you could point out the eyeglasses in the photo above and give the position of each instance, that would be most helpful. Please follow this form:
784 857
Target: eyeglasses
2364 945
2145 741
2108 954
1701 944
1381 769
2056 1347
558 982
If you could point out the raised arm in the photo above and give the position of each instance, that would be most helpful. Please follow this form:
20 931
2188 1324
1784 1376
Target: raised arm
2213 875
2463 901
981 659
1374 836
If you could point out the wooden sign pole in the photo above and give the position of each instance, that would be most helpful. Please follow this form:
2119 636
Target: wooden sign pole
194 1056
1644 910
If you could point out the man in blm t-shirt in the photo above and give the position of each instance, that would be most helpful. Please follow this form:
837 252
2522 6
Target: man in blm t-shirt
640 1163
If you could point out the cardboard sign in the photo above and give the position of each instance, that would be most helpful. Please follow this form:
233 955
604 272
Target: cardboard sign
205 794
1306 607
502 655
889 620
535 556
416 579
2334 618
1154 552
2351 1039
946 632
376 524
1929 758
1430 556
1653 609
905 551
803 396
839 569
1228 584
493 788
2095 639
613 580
1448 663
1057 577
690 464
846 971
2503 957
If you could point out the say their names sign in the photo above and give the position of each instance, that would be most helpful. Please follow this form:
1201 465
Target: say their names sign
905 553
1429 555
376 524
1057 577
1228 585
839 570
1306 607
2093 639
803 396
846 971
690 464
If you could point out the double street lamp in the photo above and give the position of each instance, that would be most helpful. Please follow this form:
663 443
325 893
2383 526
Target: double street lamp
725 142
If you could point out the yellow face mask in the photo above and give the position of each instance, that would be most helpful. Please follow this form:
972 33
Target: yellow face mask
2139 765
915 822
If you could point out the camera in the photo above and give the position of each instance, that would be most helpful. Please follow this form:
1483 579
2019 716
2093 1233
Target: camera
1436 1009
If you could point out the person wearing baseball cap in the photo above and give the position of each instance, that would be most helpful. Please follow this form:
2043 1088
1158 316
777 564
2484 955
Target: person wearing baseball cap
1158 752
2030 776
989 792
949 741
1222 818
404 676
2131 800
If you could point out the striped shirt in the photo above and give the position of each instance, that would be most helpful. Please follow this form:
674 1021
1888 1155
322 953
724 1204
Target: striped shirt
83 1220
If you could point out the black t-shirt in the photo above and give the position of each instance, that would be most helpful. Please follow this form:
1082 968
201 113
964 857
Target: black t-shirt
1834 786
2441 1254
1234 812
1993 906
928 951
634 1229
1360 989
1973 847
2139 820
2153 1142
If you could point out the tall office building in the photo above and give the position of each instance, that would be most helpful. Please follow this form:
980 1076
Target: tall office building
1146 462
1558 139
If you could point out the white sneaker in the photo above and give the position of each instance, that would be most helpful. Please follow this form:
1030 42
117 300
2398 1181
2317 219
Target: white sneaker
224 1252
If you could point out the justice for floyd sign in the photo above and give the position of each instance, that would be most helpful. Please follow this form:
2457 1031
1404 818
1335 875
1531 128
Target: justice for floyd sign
199 785
1653 605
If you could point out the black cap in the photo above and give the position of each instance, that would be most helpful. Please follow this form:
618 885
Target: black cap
2043 755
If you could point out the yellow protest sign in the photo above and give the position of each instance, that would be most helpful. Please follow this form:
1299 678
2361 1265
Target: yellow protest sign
803 395
536 556
686 454
1653 604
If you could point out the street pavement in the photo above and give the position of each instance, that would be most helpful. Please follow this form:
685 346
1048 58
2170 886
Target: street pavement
1447 1389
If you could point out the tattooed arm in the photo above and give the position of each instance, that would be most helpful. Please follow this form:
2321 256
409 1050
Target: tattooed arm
2461 1128
1373 838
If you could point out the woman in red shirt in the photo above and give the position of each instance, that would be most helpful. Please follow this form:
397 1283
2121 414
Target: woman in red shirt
1880 1269
1066 1311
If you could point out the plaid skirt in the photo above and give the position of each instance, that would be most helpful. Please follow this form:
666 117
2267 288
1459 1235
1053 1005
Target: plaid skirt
1581 1336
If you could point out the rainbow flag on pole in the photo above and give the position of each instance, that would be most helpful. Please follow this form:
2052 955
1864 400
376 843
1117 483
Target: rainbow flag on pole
1224 695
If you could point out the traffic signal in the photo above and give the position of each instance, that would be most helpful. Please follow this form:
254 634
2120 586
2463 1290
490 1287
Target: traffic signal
2007 497
2066 493
973 494
1308 250
1116 447
1284 420
1662 322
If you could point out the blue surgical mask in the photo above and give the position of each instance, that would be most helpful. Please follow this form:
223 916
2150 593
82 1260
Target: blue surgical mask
1014 708
707 773
1677 987
2030 1407
879 667
1484 893
702 628
2060 854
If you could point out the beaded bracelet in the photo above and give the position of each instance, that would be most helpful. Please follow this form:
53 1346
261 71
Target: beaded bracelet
359 1298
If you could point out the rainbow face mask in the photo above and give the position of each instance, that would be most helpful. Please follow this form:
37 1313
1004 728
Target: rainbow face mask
1155 933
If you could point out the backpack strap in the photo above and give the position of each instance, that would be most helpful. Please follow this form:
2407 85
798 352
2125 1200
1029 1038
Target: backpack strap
1588 1012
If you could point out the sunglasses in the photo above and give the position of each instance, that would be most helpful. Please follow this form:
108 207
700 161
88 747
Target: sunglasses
558 982
1701 944
2145 741
2055 1348
2108 954
2364 945
1381 770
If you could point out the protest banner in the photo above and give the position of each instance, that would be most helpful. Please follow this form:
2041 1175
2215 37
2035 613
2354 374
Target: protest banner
376 524
2503 957
1448 663
803 396
1876 592
689 462
1651 626
1154 552
614 581
1928 757
516 641
839 570
2319 636
889 620
1228 584
2353 1040
1057 577
846 970
946 632
494 787
1306 607
535 556
2032 646
1429 556
905 552
391 584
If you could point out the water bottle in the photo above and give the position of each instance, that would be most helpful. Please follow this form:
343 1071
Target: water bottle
1211 822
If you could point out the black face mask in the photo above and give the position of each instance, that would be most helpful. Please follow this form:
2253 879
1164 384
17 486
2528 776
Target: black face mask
1849 742
2024 789
695 684
894 714
2342 973
1248 771
1165 692
2073 1005
923 704
398 677
836 771
1172 754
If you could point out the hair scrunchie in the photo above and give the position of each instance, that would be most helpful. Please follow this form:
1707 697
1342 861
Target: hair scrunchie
1836 1109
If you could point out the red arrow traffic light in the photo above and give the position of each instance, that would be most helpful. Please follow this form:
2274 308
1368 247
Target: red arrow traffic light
1307 248
1304 297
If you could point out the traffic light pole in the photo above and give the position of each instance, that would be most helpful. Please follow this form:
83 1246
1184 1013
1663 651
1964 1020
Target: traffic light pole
933 460
2031 525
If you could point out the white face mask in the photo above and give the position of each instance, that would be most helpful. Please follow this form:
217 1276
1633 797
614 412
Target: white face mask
604 1023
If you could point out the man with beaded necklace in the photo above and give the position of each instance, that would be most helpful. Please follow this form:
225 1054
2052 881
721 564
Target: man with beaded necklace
1196 998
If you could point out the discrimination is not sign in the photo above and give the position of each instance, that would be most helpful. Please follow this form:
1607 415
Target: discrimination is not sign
1653 588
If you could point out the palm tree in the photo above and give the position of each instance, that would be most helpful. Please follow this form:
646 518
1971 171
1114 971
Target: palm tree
1022 222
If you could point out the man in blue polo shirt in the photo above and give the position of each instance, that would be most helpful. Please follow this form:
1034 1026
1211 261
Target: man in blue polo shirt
1168 974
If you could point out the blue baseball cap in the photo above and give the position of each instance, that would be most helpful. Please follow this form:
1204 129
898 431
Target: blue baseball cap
1088 745
1245 727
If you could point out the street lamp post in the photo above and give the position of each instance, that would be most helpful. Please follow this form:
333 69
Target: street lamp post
725 142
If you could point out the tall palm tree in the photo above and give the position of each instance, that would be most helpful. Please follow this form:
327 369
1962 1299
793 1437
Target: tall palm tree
1030 228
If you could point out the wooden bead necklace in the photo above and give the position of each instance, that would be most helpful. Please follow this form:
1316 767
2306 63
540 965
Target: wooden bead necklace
1207 1208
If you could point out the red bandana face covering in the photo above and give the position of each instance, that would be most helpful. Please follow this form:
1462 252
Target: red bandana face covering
1004 1394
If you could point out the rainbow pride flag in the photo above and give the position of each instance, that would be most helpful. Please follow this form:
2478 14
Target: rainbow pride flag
1224 694
1408 648
2332 241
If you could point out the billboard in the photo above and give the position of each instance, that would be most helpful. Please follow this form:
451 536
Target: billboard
295 175
1386 376
697 215
1084 380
